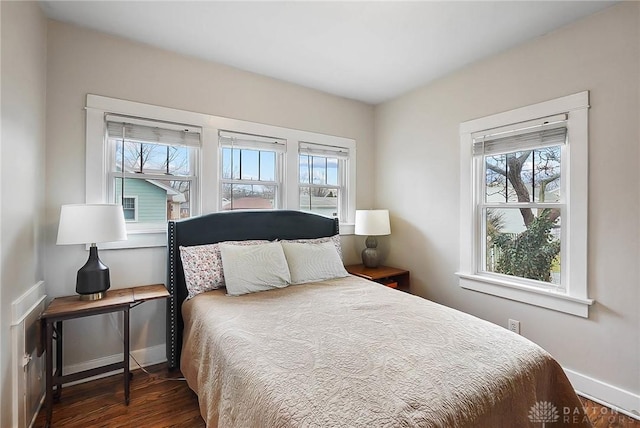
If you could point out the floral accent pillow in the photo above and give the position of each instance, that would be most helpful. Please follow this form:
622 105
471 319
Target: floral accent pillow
335 239
202 266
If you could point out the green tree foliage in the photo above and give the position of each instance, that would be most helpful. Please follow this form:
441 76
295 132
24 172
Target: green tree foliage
531 253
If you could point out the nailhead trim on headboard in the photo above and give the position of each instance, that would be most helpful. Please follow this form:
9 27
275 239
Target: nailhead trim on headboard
172 356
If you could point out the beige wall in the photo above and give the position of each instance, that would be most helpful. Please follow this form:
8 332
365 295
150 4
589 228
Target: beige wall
600 54
82 62
23 81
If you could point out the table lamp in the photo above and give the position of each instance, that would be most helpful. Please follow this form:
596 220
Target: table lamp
372 223
91 224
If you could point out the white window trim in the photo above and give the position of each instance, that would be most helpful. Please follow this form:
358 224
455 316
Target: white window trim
574 299
277 182
343 168
208 190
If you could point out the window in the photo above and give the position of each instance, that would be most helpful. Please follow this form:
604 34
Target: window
152 170
520 207
321 179
250 171
162 163
523 233
129 206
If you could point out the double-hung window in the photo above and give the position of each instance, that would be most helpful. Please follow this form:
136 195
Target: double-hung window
250 171
161 163
322 179
520 206
524 180
152 170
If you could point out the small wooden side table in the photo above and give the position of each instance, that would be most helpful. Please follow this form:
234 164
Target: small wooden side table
387 275
66 308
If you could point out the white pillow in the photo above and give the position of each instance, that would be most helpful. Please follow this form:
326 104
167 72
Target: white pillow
313 262
335 239
202 266
248 269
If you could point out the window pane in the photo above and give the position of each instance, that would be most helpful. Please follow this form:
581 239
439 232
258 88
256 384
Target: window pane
226 163
131 154
495 178
319 170
152 158
267 166
179 162
248 196
546 162
332 171
235 164
523 243
304 169
319 200
509 177
529 176
249 164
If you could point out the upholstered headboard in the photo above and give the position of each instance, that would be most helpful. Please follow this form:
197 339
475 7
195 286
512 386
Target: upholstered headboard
228 226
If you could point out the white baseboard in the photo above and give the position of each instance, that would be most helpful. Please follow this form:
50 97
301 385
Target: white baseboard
618 399
144 357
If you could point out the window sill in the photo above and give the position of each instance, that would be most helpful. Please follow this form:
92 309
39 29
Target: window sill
531 295
347 229
138 239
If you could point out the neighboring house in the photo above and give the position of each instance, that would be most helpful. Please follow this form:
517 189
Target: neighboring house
149 201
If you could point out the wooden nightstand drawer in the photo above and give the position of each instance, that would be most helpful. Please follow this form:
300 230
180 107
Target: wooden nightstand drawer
387 275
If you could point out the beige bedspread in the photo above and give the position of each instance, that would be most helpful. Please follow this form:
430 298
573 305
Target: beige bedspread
352 353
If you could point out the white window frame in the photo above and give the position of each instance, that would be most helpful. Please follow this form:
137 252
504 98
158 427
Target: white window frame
192 178
97 161
260 144
572 298
343 157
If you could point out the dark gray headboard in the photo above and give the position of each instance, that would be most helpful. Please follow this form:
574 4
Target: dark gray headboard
228 226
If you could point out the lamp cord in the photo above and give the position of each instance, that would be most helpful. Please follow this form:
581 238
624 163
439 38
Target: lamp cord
112 322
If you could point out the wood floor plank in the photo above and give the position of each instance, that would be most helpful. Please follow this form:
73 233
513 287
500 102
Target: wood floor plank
157 402
604 417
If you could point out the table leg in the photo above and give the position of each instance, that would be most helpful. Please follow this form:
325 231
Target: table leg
126 355
58 373
49 373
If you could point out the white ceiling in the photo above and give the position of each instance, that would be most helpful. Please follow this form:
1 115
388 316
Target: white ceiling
368 51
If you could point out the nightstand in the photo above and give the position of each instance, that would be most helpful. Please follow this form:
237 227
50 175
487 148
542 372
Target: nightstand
387 275
66 308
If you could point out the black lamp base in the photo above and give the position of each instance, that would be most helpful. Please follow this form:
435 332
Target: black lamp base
93 280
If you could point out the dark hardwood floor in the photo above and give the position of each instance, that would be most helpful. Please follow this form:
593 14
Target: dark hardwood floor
157 402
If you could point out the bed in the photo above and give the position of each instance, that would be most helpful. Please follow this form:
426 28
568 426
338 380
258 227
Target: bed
347 351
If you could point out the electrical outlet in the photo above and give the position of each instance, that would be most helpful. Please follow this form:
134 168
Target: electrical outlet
514 326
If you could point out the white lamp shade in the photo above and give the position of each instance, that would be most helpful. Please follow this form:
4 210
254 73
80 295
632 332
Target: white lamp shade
91 223
372 222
